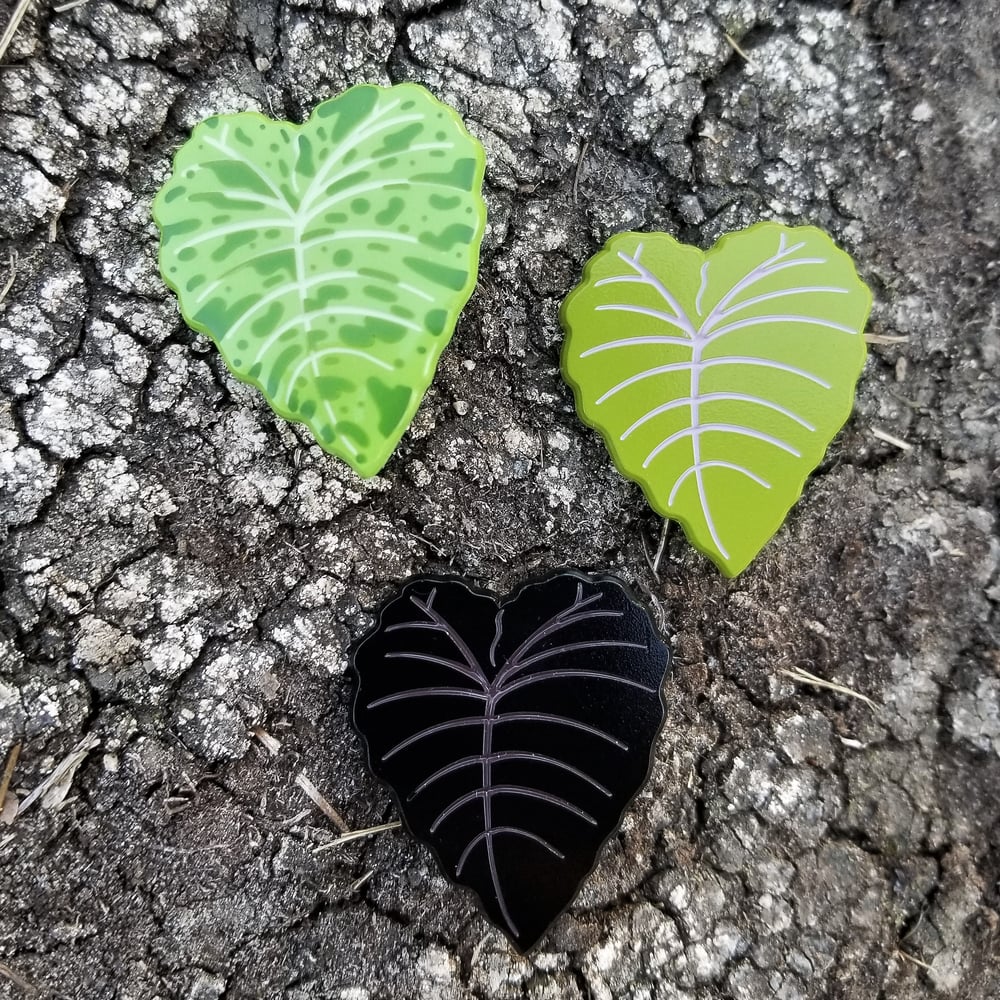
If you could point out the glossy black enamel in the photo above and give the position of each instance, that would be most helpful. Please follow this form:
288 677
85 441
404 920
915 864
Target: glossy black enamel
513 733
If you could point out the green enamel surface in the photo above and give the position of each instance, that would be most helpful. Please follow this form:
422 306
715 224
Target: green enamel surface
718 379
329 261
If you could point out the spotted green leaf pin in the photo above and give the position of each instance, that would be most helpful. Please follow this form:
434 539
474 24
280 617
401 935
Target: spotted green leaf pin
329 261
718 379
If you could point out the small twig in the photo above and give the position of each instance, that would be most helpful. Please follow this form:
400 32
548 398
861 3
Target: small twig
357 834
8 771
271 744
881 338
804 677
891 439
62 8
65 768
9 283
296 819
735 46
913 959
20 981
314 793
12 25
579 171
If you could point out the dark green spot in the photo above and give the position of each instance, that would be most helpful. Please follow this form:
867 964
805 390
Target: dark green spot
306 164
444 202
399 140
279 367
180 228
379 293
441 274
462 175
354 432
456 233
346 183
331 386
372 329
232 243
360 206
324 295
233 175
391 212
374 272
348 110
266 322
435 321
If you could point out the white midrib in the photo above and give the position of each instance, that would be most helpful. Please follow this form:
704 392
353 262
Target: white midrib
698 345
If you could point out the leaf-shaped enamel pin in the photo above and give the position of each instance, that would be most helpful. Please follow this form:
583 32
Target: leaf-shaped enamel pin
329 261
513 733
718 379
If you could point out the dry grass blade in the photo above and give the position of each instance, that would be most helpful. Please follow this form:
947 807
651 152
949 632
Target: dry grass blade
270 743
358 883
5 779
19 981
735 46
8 769
804 677
891 439
879 338
9 283
59 780
63 7
912 958
314 793
579 172
12 25
357 835
654 562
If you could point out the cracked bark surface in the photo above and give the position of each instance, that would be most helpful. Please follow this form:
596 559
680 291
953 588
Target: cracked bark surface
179 566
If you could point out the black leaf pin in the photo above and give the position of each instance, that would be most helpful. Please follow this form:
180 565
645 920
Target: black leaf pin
514 733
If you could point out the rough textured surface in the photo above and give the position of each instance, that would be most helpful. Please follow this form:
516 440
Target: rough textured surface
180 567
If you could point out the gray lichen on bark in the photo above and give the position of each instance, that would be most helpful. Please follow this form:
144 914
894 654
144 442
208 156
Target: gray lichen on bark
180 567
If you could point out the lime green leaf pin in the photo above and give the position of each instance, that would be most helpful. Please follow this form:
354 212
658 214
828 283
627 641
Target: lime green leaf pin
718 379
329 261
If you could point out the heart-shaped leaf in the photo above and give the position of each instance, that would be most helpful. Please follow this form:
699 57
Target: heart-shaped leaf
718 379
512 733
329 261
